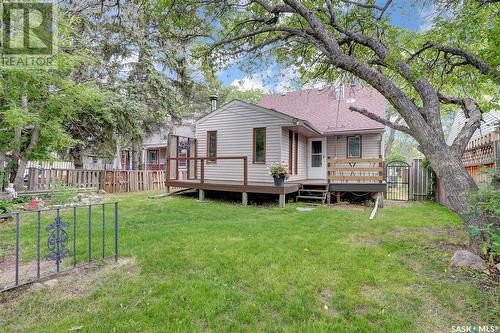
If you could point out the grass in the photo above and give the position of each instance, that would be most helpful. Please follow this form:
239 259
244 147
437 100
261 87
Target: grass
217 266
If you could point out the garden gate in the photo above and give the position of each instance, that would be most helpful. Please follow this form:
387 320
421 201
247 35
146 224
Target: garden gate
397 177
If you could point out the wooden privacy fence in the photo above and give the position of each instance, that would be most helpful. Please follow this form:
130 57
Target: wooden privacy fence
111 181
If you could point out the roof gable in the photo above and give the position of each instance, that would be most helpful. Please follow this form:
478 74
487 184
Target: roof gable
254 107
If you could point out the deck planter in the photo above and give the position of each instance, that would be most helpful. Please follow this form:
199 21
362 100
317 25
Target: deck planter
279 180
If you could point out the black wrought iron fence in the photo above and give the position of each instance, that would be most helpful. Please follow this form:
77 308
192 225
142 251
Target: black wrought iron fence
38 244
397 177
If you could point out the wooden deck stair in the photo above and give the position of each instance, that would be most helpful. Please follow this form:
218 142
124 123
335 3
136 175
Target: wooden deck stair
313 194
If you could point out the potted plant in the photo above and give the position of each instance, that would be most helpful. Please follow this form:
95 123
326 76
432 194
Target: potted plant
279 173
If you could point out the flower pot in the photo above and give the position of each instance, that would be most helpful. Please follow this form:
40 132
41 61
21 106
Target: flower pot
279 180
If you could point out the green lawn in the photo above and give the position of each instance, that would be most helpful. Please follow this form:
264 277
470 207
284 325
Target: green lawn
217 266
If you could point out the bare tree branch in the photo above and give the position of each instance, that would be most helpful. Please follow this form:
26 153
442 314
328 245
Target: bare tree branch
381 120
470 58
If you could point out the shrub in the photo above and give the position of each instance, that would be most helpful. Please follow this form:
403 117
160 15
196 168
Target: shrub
61 193
486 202
23 199
6 207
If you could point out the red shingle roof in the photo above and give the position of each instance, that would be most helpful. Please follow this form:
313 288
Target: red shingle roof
325 112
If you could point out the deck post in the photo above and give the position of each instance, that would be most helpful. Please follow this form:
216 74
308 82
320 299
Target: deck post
168 189
244 198
381 200
202 171
338 196
282 201
245 171
201 195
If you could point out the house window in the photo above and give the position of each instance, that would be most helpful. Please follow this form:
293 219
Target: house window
259 145
354 146
212 145
152 156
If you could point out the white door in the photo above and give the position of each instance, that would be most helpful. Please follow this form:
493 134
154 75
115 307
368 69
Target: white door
317 159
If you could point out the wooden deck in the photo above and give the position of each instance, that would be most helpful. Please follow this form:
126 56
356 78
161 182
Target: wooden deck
235 186
341 178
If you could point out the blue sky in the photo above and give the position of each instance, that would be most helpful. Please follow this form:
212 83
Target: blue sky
406 14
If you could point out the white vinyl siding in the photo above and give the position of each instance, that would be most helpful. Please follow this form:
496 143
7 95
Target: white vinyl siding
302 158
370 145
370 148
234 126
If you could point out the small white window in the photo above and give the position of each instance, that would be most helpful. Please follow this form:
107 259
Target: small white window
354 146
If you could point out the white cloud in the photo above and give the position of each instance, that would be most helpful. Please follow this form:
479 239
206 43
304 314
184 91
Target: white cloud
269 80
427 15
249 83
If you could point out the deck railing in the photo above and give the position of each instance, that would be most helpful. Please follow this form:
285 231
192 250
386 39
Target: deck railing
203 164
350 170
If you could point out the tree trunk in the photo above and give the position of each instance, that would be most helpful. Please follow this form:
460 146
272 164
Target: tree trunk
136 155
19 174
456 182
3 159
76 153
390 139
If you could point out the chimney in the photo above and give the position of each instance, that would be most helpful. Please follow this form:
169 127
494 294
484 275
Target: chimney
213 102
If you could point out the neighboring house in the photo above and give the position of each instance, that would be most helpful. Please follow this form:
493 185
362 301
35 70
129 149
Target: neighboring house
483 149
313 132
156 144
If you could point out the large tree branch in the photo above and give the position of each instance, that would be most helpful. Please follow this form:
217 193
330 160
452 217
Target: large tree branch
368 5
469 57
381 120
473 115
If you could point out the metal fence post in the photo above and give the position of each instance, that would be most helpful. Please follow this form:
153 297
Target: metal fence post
74 236
58 238
17 249
90 233
103 218
116 231
38 246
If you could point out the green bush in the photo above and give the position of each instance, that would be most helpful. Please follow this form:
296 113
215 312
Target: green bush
486 202
6 207
61 194
23 199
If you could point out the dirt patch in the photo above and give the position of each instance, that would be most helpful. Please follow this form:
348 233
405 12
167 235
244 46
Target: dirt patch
325 297
27 271
78 282
347 207
451 232
364 241
361 310
372 294
397 204
448 247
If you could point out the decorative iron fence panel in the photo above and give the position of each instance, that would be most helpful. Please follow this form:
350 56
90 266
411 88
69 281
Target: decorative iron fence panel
397 177
44 243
